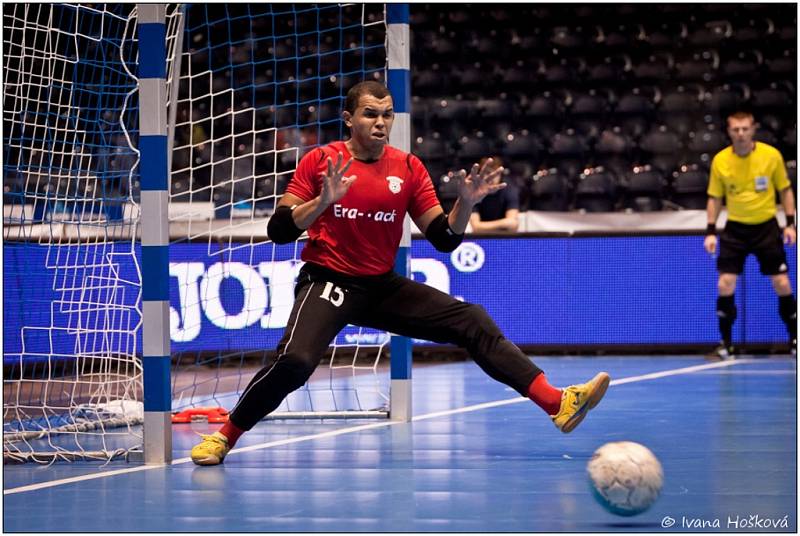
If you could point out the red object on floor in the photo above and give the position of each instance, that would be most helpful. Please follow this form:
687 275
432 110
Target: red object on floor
215 415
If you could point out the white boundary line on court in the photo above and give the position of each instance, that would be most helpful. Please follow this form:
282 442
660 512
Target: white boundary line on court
351 429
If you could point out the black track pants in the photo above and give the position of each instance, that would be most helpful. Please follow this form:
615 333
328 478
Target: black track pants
325 302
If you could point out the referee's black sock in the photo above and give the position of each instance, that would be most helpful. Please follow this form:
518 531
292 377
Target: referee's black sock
726 312
787 307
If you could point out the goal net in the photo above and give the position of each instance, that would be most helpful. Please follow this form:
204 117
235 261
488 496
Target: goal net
260 85
251 89
71 376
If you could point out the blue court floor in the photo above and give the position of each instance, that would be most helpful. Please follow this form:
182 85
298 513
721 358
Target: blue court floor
477 458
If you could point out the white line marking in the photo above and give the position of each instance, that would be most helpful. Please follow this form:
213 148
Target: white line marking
383 424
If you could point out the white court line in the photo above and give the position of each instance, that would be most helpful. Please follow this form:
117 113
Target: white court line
351 429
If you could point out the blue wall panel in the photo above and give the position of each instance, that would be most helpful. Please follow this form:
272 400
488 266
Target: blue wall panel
610 290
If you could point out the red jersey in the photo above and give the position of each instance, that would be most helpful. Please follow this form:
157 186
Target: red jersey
360 233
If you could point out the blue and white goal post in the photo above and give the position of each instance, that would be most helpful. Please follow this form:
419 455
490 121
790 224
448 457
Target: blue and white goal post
398 81
154 175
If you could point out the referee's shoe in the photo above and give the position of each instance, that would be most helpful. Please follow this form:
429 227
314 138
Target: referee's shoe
577 400
722 352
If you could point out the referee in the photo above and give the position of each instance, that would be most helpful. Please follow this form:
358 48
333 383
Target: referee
747 174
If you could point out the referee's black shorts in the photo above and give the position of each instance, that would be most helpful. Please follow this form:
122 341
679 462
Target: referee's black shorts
764 240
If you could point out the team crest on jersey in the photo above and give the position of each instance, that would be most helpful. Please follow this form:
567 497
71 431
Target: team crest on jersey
394 184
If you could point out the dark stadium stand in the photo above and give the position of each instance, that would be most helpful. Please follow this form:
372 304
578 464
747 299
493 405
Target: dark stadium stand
570 87
610 107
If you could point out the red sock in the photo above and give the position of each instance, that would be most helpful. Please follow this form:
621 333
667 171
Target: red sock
230 431
545 395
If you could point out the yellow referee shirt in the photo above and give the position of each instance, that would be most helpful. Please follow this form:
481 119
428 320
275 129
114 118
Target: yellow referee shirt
749 183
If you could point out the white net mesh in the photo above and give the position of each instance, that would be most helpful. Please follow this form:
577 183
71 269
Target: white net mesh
258 87
72 385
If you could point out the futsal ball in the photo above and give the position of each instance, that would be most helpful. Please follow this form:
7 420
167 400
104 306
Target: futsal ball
625 477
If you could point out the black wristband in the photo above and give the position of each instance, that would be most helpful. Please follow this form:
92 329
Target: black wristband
790 220
281 227
441 235
711 229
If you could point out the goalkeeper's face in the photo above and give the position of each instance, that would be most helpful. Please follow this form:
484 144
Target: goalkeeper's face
371 121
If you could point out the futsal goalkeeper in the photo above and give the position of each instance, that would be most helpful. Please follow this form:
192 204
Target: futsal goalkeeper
352 197
748 173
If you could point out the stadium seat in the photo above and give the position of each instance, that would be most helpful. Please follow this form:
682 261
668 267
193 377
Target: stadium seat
612 141
549 191
679 108
689 185
431 147
491 45
447 190
567 37
496 109
592 103
751 31
660 140
569 143
664 146
665 35
643 189
783 65
701 66
655 68
725 98
615 37
610 71
635 125
499 129
710 140
770 98
618 165
519 76
742 67
445 48
635 102
680 100
522 144
454 110
472 148
544 105
562 72
589 127
519 169
430 81
596 191
771 121
473 76
710 34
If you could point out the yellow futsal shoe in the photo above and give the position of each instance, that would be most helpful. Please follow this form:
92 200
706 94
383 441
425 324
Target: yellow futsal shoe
212 450
577 400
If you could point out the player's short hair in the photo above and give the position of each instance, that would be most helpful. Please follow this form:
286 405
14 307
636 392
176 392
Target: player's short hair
368 87
741 114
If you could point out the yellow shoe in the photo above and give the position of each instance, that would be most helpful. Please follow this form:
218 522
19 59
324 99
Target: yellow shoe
577 400
212 450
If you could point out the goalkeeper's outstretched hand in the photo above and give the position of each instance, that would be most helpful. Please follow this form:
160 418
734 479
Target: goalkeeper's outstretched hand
480 182
334 183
